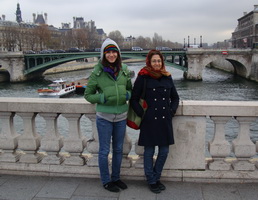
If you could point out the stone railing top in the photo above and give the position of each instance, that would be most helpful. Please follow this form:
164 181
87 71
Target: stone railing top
220 108
46 105
71 105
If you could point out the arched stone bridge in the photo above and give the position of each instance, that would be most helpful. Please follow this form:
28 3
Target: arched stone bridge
192 62
243 61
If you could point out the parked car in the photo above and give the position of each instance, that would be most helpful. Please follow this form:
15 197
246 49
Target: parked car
137 49
163 49
59 51
97 49
30 52
74 49
45 51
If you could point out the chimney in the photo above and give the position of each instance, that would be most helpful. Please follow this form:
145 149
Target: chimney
255 7
3 17
34 17
45 18
245 13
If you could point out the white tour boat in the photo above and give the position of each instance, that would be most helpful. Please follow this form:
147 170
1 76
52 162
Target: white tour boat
57 89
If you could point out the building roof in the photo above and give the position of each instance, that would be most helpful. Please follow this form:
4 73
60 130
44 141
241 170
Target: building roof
40 19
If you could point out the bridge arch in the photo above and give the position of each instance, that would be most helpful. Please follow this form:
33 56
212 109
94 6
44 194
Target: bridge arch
239 65
241 62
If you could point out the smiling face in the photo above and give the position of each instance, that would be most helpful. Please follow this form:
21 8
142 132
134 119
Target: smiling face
156 62
111 56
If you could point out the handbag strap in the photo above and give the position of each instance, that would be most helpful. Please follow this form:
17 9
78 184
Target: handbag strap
144 89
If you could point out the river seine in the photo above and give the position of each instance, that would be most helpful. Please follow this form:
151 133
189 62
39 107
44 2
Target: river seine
216 85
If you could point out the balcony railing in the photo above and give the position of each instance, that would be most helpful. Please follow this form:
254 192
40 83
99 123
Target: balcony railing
48 137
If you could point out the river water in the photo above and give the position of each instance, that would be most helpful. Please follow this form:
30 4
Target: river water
216 85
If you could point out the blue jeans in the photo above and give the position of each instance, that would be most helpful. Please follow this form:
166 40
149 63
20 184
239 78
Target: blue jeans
153 172
108 131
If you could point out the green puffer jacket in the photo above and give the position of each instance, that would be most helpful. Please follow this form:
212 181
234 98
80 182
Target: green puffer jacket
110 95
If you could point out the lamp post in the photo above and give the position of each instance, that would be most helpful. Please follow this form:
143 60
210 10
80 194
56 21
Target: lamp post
200 41
188 41
184 42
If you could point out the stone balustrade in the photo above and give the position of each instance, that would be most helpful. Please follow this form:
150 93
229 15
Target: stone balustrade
33 141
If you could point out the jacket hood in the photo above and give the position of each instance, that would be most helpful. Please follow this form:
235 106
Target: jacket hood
107 42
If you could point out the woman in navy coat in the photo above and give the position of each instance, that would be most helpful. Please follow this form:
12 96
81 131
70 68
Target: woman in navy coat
156 128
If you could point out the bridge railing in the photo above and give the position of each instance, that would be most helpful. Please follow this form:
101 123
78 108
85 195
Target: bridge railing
58 137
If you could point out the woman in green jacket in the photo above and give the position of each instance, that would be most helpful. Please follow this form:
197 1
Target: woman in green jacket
109 87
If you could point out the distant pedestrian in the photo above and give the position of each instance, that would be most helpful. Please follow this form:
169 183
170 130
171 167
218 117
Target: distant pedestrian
109 87
156 128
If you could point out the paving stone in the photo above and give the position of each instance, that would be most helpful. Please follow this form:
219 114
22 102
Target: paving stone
58 189
180 190
221 191
22 188
94 188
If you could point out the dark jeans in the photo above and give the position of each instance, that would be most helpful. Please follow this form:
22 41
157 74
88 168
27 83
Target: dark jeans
108 131
153 171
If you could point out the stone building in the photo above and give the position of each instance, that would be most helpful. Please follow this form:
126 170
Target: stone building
246 32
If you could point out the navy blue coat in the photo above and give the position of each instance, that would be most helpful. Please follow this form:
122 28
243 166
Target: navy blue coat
162 100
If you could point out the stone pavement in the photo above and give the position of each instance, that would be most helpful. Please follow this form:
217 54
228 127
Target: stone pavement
14 187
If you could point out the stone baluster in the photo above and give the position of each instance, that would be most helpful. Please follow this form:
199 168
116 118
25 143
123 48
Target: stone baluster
126 161
93 143
219 147
52 142
243 147
8 138
29 141
139 150
74 144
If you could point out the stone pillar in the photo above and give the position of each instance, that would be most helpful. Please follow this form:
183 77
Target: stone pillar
195 68
17 66
8 138
29 141
139 150
243 147
93 143
188 152
126 161
219 147
52 142
74 144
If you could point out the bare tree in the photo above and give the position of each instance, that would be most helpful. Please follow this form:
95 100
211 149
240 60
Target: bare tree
157 40
117 37
9 38
43 35
80 38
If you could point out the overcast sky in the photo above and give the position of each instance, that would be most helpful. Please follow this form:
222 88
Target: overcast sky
174 20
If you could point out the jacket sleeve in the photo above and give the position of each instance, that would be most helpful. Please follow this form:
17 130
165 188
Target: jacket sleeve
91 93
136 95
174 99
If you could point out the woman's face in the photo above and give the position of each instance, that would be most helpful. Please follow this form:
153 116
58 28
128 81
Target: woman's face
156 62
111 56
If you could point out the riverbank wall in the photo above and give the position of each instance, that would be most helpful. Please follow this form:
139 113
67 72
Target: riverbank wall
74 65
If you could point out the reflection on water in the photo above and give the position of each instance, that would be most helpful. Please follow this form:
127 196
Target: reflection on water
216 85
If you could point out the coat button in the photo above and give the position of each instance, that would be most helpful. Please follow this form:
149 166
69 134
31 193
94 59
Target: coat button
155 118
165 90
163 117
155 99
163 98
163 108
154 89
156 108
